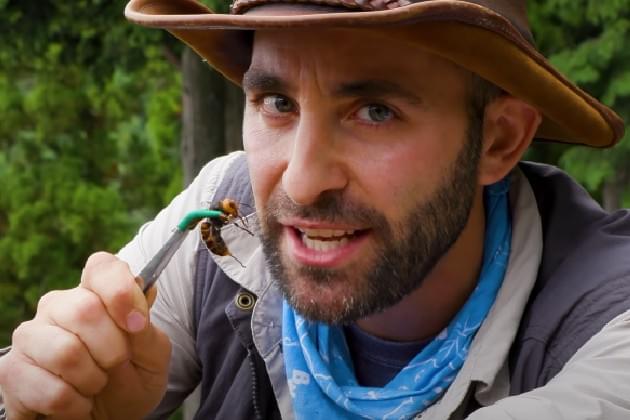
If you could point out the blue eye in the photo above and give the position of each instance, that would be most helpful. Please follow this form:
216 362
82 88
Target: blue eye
277 104
375 113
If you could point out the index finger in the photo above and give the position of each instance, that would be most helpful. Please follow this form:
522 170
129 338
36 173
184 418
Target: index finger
111 279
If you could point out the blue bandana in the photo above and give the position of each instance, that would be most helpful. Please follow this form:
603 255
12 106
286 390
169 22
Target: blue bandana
318 364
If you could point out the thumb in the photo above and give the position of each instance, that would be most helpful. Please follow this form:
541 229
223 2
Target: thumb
151 353
150 347
150 294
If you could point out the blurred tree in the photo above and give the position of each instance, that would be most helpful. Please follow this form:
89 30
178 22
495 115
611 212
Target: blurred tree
88 140
588 41
212 110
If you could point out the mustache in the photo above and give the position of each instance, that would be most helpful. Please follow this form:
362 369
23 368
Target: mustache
330 206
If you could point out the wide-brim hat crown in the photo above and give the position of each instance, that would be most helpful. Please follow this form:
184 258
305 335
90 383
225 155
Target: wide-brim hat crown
489 37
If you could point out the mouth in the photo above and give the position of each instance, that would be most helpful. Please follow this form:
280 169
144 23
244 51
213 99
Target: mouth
325 247
326 239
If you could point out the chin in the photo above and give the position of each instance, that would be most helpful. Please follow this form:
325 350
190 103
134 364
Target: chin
328 297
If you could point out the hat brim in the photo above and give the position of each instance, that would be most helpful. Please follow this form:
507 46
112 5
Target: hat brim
454 30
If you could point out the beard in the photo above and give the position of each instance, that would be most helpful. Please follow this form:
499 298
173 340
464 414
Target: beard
402 254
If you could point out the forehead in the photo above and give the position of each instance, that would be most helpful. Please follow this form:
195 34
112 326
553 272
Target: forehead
346 54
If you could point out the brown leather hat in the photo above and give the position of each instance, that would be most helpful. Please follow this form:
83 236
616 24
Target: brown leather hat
489 37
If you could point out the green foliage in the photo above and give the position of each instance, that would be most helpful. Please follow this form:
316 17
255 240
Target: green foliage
89 123
588 41
217 6
89 110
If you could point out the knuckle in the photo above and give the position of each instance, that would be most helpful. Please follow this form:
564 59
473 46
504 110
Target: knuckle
21 332
94 263
121 271
117 353
88 309
60 398
46 299
122 292
97 258
67 351
123 266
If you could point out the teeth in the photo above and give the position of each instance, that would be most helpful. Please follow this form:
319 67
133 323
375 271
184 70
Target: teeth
325 239
326 233
323 246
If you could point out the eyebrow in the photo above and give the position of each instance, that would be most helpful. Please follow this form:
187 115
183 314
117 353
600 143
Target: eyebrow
261 80
377 88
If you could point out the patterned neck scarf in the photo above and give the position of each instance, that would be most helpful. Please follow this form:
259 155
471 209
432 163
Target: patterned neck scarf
318 365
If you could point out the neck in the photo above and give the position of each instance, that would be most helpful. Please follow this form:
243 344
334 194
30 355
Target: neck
429 309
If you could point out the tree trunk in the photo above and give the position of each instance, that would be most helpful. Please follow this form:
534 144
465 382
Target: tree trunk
612 191
234 106
212 115
203 120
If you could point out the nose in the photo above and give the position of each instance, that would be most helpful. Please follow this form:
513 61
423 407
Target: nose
315 164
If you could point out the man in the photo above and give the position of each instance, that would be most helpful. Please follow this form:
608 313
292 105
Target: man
403 264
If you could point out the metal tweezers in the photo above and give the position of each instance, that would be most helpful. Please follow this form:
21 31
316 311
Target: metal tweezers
152 270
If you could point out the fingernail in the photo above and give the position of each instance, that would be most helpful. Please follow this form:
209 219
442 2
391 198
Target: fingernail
136 321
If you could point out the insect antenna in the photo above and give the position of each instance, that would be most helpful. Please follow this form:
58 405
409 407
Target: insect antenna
244 228
244 219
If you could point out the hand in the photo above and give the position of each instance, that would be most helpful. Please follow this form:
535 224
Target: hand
90 352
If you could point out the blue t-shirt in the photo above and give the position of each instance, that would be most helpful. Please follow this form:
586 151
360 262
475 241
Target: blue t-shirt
377 361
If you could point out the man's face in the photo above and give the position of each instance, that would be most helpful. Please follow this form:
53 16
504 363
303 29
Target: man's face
362 166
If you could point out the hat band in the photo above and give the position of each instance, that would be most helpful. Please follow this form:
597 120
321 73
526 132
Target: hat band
513 11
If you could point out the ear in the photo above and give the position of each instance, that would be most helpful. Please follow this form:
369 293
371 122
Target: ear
508 129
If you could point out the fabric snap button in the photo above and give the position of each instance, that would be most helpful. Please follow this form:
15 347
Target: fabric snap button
245 300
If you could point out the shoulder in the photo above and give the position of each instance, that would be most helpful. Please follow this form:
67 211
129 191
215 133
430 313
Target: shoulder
583 281
580 238
591 384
